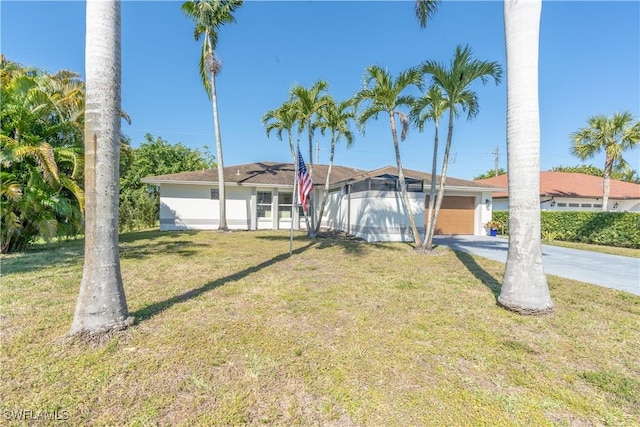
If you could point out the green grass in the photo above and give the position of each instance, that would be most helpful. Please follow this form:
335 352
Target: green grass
612 250
231 331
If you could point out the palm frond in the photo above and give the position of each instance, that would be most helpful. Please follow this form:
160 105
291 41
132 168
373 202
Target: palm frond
425 9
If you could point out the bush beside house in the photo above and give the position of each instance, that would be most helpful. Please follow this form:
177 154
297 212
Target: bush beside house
620 229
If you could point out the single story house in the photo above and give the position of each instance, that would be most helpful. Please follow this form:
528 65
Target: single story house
363 204
567 191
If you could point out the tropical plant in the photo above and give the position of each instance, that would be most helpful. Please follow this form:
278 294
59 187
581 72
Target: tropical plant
524 287
628 175
307 104
384 94
455 81
334 117
209 16
430 106
41 155
281 119
139 202
490 174
101 306
425 9
613 135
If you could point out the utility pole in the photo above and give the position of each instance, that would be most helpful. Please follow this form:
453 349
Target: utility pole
497 156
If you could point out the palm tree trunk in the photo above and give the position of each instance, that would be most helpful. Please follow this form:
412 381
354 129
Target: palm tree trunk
325 195
428 243
311 232
101 305
222 225
403 186
524 287
443 179
606 183
293 150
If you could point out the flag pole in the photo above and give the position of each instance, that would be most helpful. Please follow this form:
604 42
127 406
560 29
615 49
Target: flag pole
294 205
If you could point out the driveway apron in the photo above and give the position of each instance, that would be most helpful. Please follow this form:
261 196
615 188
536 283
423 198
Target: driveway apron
610 271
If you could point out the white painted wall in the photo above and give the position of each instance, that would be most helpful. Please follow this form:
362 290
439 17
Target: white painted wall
184 206
374 215
623 205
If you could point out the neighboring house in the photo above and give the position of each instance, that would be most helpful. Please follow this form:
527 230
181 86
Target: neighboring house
363 204
566 191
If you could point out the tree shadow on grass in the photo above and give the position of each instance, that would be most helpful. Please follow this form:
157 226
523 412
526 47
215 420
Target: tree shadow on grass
479 273
133 244
349 244
158 307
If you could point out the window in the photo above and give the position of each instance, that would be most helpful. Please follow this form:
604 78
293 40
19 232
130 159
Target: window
285 201
574 205
598 205
263 208
585 205
215 194
562 205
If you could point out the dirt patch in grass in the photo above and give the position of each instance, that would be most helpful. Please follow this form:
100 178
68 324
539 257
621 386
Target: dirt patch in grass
231 330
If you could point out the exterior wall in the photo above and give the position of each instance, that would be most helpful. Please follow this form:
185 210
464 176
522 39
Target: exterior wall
484 212
379 216
583 204
371 215
190 207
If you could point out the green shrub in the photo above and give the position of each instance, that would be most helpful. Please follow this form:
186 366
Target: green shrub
620 229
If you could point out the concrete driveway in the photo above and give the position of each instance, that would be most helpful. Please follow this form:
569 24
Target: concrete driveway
610 271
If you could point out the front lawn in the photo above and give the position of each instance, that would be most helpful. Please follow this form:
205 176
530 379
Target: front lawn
231 330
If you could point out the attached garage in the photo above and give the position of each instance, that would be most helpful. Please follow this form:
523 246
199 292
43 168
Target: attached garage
456 216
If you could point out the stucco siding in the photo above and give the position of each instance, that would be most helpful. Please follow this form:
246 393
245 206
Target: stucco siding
190 207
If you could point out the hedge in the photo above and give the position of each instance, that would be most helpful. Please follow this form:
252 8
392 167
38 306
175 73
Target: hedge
620 229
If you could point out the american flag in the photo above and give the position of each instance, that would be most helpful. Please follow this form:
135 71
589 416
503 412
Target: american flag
304 183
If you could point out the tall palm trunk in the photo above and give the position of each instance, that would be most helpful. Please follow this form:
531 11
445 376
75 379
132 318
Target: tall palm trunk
606 182
325 195
101 304
312 200
403 186
293 149
222 202
428 243
524 287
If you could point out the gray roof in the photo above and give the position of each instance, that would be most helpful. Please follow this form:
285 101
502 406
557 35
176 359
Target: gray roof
262 173
281 174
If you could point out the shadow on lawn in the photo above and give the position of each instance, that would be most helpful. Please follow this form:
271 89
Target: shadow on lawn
134 244
350 245
479 273
158 307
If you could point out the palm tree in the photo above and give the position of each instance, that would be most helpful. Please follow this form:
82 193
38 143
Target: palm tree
281 119
425 9
430 106
455 81
335 117
209 16
307 104
40 153
384 95
613 135
524 287
102 306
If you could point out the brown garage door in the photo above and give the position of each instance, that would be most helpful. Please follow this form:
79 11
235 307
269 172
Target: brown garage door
456 215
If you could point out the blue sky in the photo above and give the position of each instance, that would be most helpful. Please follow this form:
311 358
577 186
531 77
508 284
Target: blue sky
589 64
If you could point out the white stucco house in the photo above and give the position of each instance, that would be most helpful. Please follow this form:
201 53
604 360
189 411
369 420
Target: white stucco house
363 204
566 191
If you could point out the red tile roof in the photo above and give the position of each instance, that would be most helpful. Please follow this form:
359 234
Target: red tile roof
566 184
